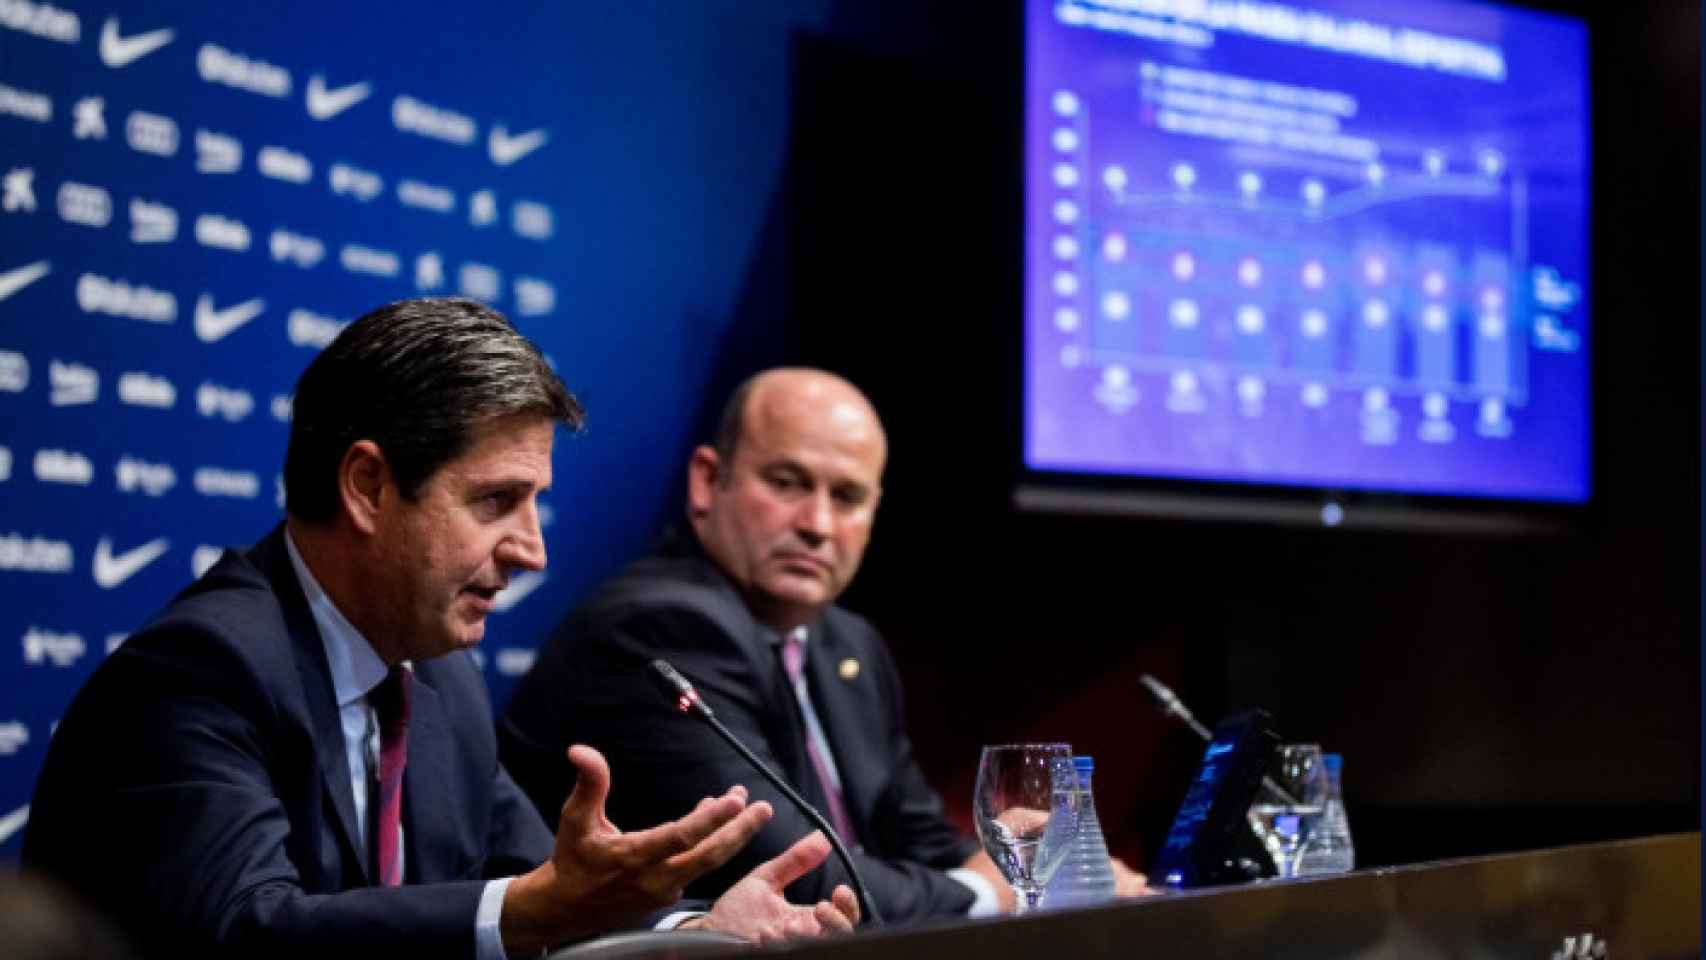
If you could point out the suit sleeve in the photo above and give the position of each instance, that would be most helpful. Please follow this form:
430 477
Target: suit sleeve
662 763
161 805
908 820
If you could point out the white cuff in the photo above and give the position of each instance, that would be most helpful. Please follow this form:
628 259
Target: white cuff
677 918
488 935
986 904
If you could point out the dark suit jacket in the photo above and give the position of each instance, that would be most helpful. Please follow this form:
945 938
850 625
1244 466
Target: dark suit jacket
197 788
591 685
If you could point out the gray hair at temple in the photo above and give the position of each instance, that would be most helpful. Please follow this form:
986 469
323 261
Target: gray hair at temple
416 377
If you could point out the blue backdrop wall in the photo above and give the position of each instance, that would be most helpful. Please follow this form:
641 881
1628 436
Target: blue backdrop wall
197 196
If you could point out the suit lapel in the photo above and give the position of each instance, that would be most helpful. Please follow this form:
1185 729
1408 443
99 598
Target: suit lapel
429 818
327 727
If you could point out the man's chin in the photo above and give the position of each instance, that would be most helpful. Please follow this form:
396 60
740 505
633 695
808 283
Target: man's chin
804 592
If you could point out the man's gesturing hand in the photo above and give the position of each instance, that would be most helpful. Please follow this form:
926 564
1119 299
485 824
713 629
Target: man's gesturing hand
600 879
755 909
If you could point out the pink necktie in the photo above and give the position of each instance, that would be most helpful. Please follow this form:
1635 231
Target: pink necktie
391 701
794 662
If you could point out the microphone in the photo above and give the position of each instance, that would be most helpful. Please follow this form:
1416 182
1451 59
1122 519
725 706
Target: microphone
680 690
1173 707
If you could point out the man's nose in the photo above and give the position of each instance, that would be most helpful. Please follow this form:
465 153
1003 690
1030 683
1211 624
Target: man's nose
815 519
524 547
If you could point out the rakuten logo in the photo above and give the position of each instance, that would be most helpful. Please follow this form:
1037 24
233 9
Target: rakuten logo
98 294
219 65
213 400
140 476
412 116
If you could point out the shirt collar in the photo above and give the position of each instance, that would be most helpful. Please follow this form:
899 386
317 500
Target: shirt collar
801 633
356 669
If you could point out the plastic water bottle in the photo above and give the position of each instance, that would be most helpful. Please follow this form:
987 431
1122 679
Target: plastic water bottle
1086 876
1328 849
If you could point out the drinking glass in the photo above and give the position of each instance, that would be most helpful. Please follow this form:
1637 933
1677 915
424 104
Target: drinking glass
1289 802
1026 809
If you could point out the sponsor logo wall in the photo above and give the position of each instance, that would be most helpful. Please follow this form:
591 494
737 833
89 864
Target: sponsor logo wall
194 198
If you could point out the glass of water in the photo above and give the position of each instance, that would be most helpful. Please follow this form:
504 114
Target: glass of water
1290 802
1026 809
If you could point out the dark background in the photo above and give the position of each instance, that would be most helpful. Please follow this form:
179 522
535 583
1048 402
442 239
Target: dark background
1490 693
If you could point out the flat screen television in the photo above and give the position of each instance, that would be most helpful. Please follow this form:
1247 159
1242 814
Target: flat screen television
1303 258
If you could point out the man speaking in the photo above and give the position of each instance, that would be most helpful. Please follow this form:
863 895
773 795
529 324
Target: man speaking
297 756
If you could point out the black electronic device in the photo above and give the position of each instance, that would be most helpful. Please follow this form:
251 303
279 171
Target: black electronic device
1210 842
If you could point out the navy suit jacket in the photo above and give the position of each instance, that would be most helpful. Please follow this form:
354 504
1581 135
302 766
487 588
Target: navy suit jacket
197 788
591 685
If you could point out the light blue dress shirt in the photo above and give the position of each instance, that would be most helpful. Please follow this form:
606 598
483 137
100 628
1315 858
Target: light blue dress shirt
356 670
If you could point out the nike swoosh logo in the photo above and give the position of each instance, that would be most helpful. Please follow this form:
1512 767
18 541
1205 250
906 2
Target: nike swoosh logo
519 587
211 324
13 822
117 51
112 570
505 149
324 104
18 278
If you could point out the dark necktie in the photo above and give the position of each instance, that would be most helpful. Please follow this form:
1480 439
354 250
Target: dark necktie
794 662
391 702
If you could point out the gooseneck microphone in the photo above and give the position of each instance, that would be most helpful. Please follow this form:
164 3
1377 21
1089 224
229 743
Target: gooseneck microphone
686 699
1173 707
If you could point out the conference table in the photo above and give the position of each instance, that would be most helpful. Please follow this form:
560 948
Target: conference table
1625 900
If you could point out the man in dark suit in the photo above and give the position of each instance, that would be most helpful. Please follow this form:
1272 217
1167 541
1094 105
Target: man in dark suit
781 508
297 756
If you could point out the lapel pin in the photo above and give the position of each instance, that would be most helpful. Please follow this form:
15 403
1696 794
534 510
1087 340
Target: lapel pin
849 668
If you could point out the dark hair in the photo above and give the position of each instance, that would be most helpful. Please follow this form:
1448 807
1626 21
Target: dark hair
416 377
733 420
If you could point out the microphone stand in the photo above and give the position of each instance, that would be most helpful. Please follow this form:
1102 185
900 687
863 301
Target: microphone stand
687 701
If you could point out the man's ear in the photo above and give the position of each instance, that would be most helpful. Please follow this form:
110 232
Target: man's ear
704 472
363 476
